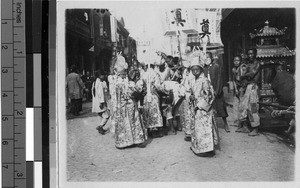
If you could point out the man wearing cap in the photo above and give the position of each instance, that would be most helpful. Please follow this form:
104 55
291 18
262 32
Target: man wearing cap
204 136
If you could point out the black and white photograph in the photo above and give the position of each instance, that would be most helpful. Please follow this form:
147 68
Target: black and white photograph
176 92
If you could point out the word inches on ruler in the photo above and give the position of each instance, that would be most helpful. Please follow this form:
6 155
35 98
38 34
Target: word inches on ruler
19 12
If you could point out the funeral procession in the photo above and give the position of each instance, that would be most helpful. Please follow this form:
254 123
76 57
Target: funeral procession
180 94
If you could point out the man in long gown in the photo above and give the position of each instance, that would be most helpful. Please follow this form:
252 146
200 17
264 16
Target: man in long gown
214 73
129 130
188 115
204 135
151 114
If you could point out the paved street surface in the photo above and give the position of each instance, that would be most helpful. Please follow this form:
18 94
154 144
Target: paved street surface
93 157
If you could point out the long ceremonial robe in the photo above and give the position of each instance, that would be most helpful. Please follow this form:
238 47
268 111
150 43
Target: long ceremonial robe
112 104
204 135
152 116
129 128
188 111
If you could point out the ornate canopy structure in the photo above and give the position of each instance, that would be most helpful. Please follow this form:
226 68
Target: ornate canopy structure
269 42
271 51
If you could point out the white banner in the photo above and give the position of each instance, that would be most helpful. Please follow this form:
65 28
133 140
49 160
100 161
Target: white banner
204 24
208 23
184 18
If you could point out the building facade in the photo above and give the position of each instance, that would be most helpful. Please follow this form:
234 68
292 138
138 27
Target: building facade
103 45
92 38
79 39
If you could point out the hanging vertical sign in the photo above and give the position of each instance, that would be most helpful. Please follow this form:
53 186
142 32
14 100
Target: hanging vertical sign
184 18
179 24
113 27
208 24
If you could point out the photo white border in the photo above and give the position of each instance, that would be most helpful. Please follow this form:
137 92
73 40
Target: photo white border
61 121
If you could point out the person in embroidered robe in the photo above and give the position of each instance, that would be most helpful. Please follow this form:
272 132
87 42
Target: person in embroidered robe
188 120
112 105
204 136
129 130
151 110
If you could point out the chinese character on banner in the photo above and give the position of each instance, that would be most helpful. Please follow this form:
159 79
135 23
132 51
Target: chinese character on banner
178 19
205 28
182 16
208 24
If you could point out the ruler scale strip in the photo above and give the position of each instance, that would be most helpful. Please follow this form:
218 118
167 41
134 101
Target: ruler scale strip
13 93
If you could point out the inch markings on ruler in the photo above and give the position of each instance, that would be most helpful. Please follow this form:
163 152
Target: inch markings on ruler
13 93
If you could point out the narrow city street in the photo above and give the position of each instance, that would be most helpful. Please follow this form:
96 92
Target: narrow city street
93 157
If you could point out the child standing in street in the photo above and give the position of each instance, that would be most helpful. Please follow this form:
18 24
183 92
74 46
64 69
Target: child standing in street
100 90
204 136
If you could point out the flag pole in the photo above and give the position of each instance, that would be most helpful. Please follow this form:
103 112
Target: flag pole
179 49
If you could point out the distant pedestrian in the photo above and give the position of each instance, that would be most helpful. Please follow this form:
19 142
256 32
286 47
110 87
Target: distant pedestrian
88 81
75 87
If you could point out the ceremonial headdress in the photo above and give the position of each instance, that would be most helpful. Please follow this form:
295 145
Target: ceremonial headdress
197 57
196 61
120 66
